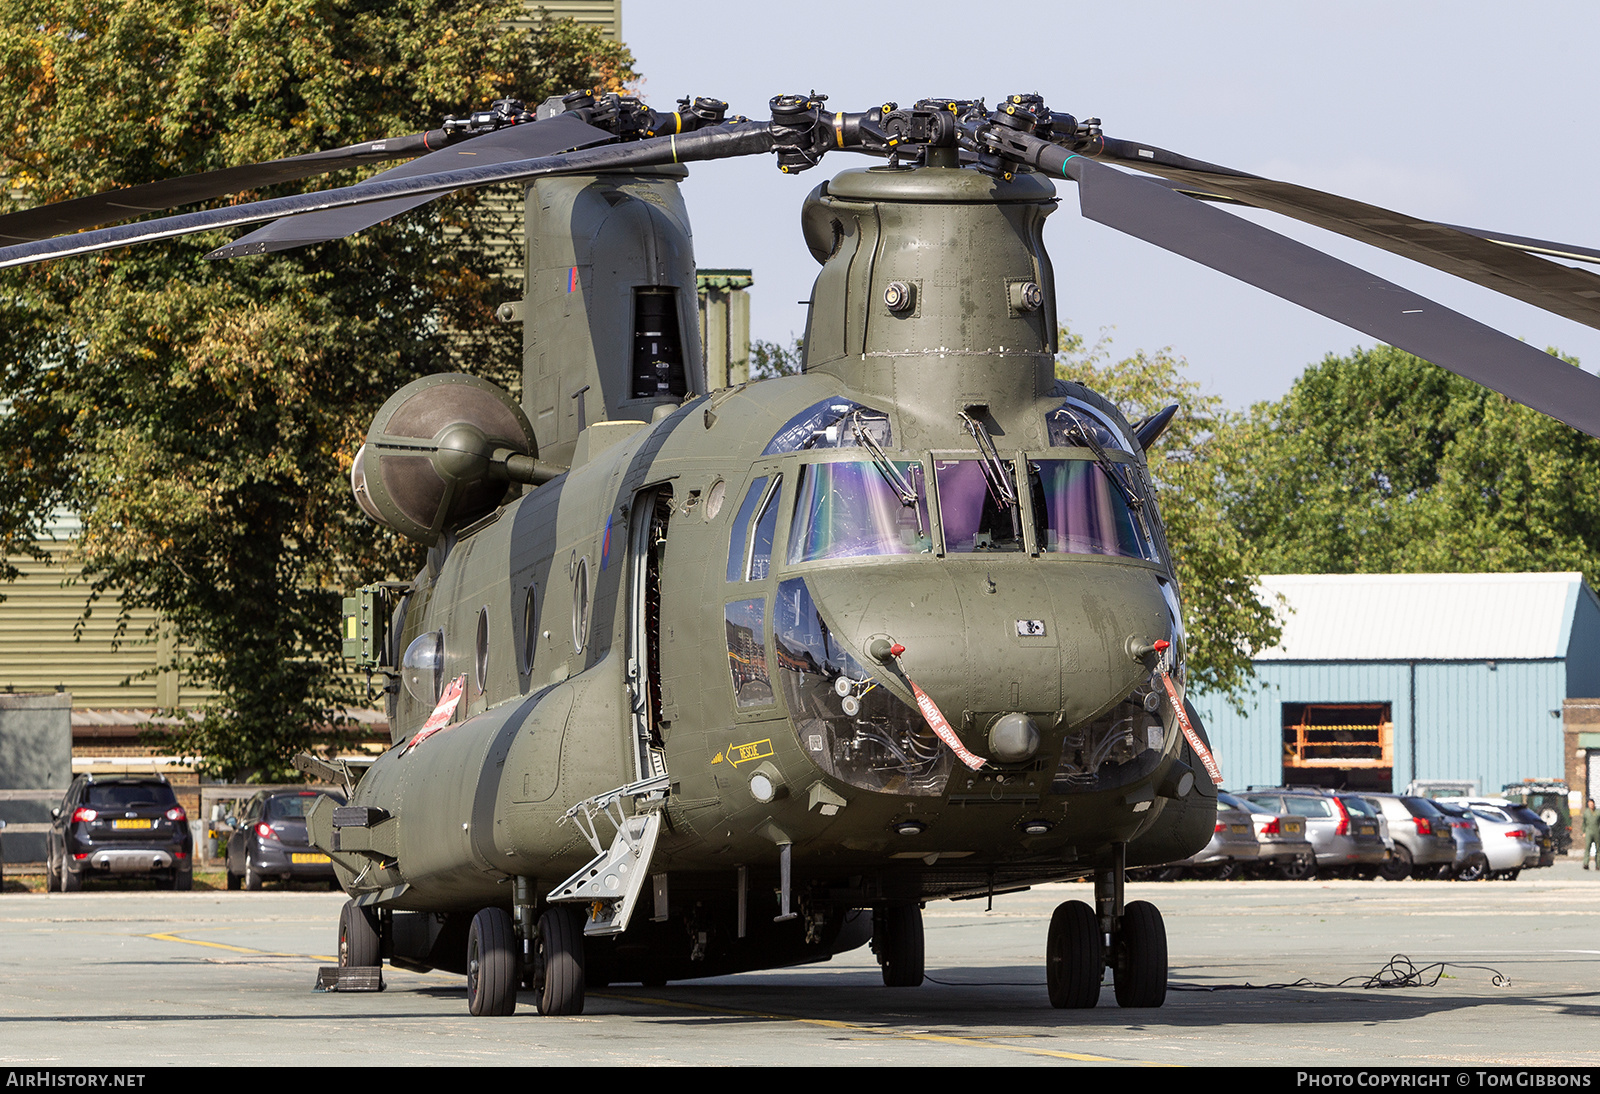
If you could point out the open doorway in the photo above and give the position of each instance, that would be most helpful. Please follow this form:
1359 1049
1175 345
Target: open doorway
1341 746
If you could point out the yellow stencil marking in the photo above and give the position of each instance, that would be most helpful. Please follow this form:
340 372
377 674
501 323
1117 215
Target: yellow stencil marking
755 750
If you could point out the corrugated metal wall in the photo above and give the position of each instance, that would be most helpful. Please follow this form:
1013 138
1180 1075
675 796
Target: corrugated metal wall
1472 721
43 649
1583 646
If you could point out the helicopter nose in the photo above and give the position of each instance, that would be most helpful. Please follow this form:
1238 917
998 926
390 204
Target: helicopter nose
1049 642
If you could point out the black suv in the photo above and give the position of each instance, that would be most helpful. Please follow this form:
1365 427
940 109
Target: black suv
119 825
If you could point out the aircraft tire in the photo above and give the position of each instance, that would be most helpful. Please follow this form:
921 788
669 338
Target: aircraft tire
358 938
897 940
1074 957
1140 971
491 964
558 980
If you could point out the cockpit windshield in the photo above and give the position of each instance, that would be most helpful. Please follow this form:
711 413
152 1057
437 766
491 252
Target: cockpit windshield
851 509
1079 511
975 518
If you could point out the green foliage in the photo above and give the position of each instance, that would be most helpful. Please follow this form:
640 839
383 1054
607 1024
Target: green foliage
769 359
1381 462
1217 567
201 417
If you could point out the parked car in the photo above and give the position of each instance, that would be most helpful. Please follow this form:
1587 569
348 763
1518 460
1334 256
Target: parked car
1282 847
118 825
1546 834
1513 837
268 839
1471 863
1357 806
1342 842
1423 838
1232 850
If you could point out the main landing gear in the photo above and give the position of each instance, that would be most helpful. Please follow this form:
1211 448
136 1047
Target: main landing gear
542 952
1131 938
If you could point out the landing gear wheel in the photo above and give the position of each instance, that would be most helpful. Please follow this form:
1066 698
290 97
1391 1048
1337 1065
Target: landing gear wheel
234 881
897 940
1140 966
1074 958
558 980
1399 866
252 880
491 964
358 938
1299 868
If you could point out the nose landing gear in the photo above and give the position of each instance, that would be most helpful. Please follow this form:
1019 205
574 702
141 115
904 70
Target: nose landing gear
897 940
1131 938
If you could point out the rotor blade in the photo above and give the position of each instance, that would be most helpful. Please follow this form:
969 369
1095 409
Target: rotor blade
75 214
716 142
1283 267
1494 260
531 140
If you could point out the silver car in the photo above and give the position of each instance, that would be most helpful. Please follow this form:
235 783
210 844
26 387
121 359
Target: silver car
1282 845
1471 863
1344 842
1232 850
1423 838
1510 843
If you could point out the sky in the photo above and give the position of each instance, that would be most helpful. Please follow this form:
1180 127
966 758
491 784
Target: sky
1466 112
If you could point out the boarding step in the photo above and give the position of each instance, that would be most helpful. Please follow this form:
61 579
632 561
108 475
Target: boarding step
611 883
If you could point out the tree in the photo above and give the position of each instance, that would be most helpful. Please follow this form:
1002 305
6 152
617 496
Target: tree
769 359
1380 462
201 417
1217 568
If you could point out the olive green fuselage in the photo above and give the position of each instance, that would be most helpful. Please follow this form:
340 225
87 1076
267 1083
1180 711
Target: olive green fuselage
708 594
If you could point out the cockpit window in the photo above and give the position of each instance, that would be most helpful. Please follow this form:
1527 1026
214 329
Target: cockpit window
853 509
740 560
1079 511
747 652
1068 421
831 423
972 514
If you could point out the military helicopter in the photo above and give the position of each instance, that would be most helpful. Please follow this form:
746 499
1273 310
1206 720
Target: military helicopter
696 682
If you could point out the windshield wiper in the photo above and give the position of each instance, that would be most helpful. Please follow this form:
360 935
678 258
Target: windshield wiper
891 474
1107 464
995 470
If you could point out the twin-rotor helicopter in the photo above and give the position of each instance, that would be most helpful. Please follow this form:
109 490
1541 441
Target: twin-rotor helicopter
696 682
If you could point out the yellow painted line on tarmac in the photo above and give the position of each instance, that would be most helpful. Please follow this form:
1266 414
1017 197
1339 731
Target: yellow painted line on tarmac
877 1031
236 949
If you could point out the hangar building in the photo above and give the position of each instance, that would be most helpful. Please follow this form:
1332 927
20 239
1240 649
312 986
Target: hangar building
1383 678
